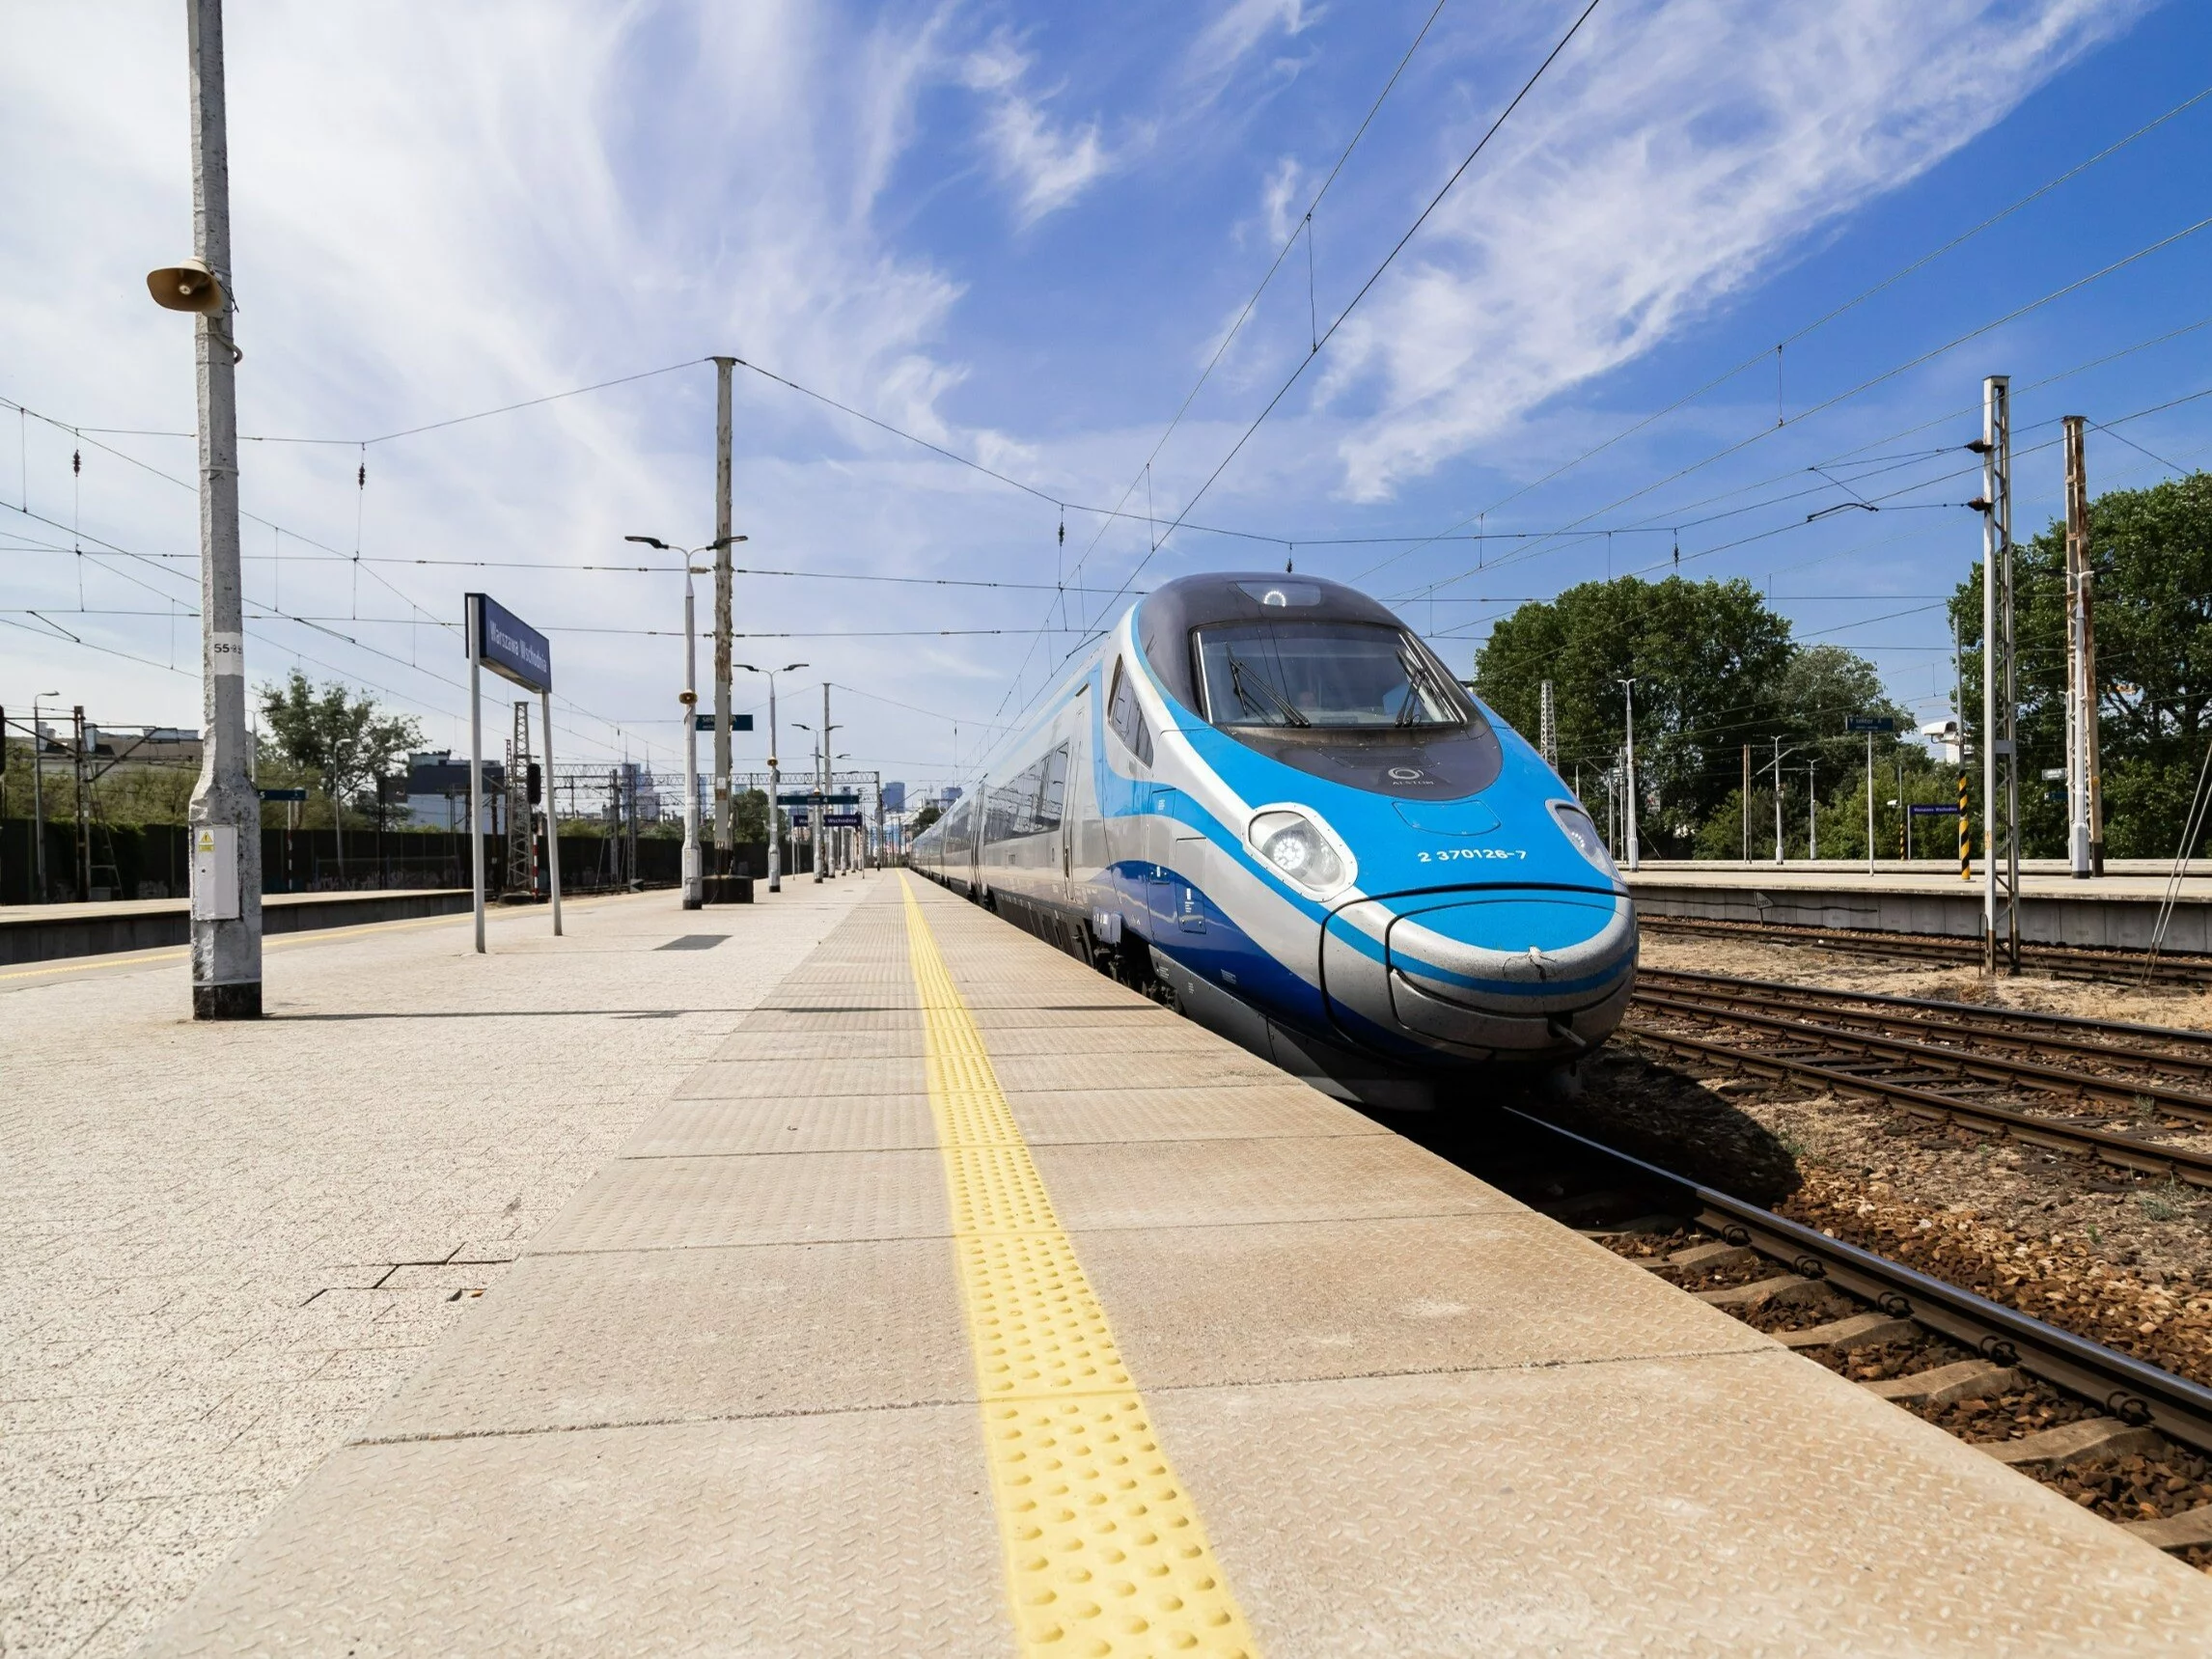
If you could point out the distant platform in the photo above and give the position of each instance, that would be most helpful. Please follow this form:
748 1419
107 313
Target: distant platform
2118 911
43 933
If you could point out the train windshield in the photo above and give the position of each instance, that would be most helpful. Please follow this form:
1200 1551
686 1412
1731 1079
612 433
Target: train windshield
1324 674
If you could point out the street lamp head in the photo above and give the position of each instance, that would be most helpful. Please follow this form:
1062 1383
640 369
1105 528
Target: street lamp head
790 666
648 541
727 541
189 284
746 665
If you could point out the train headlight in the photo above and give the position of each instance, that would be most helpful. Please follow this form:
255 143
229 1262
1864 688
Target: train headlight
1581 830
1295 845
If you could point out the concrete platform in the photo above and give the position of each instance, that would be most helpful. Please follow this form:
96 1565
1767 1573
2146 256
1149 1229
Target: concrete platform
904 1330
47 933
2117 911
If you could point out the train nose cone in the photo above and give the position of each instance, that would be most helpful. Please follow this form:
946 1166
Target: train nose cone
1496 971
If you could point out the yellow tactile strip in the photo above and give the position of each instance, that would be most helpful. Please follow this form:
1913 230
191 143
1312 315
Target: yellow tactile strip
1104 1552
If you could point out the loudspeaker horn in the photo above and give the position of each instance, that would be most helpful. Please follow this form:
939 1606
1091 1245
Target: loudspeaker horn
187 285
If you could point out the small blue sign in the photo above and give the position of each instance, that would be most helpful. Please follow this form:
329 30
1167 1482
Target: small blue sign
283 794
1919 811
738 722
841 821
511 646
1870 722
838 798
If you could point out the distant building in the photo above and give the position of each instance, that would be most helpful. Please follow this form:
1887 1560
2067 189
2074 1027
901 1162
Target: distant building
894 798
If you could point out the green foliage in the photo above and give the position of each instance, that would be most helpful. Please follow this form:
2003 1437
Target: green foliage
345 743
927 817
2151 552
749 816
1714 668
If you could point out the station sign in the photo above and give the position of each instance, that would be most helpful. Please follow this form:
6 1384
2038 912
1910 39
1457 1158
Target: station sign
1868 723
1922 812
840 820
834 799
281 794
738 722
511 646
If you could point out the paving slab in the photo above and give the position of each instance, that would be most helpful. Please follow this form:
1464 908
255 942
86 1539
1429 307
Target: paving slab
853 1533
1744 1503
694 1203
820 1123
568 1341
1194 1114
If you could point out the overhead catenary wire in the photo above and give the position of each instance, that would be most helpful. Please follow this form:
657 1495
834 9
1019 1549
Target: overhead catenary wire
1807 329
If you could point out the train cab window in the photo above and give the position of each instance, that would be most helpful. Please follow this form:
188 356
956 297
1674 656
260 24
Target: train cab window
1127 718
1322 673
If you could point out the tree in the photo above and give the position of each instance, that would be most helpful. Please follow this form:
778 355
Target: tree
2151 552
345 743
1709 660
927 817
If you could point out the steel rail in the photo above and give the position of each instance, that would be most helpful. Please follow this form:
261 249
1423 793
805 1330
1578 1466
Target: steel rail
1987 1067
2132 1390
1963 1012
2064 961
2124 1152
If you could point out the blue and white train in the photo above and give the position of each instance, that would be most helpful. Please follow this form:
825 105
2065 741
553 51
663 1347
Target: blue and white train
1265 799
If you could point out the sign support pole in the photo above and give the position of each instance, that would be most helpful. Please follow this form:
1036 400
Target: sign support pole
475 626
552 813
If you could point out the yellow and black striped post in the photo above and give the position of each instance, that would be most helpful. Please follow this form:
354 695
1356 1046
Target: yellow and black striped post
1965 835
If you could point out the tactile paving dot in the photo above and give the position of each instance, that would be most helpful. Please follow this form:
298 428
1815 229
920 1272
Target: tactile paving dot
1103 1547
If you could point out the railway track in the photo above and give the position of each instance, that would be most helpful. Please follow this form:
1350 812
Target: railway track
2025 1076
2060 961
2133 1406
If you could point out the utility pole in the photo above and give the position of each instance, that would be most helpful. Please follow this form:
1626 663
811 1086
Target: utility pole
83 804
39 802
1777 754
822 788
724 580
1635 852
2084 783
225 813
1747 804
1547 727
1959 728
694 890
2000 693
1811 814
1870 803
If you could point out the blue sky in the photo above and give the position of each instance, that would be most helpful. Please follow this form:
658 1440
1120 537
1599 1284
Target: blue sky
1021 232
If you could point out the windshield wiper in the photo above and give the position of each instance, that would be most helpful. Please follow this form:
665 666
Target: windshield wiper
1237 671
1418 678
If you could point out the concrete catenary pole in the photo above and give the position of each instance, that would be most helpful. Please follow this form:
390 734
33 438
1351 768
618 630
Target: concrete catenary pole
1635 851
473 609
724 580
2000 694
822 788
2085 792
694 889
225 813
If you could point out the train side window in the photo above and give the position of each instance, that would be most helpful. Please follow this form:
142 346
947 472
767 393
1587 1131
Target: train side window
1127 718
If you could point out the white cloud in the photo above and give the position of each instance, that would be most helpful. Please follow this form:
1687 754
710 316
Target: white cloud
1275 199
1240 27
1678 153
1048 165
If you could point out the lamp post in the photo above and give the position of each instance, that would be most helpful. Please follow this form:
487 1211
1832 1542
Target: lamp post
775 776
694 890
1635 852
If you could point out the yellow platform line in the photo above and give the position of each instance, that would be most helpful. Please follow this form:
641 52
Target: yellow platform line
1104 1552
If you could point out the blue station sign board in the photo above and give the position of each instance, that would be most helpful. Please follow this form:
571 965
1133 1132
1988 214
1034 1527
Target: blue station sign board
1870 722
835 799
511 646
